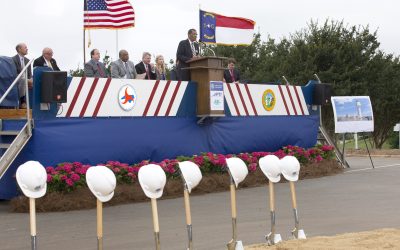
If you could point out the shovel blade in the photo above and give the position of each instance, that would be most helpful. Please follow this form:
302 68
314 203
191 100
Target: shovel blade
239 245
273 239
301 235
231 245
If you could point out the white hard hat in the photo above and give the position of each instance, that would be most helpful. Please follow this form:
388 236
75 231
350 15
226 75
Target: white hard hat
290 167
237 169
270 166
32 179
102 182
152 179
191 174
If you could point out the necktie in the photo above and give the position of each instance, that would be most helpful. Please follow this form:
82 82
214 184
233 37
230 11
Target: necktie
49 64
193 49
232 76
126 70
101 73
147 71
22 63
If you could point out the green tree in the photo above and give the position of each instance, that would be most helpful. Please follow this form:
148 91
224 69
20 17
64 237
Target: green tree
346 56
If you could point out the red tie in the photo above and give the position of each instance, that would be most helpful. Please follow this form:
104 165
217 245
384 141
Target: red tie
100 70
233 78
147 71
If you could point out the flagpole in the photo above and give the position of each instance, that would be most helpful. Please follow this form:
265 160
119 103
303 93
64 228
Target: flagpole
116 39
84 32
84 46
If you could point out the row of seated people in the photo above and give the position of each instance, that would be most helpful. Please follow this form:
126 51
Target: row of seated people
123 67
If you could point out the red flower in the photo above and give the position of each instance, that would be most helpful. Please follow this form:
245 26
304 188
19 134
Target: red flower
75 177
69 182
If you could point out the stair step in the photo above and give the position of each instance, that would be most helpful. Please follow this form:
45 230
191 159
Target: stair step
13 113
5 145
9 132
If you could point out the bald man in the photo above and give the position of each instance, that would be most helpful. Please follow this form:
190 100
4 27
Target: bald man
20 62
123 67
46 60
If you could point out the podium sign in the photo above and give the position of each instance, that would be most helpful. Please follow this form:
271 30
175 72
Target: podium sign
216 96
204 71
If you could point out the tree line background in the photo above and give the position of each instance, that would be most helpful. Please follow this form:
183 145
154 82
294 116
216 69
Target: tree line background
347 57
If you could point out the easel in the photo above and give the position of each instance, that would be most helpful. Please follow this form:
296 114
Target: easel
366 145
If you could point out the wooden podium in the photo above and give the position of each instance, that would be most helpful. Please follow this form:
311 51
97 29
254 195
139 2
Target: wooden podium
203 70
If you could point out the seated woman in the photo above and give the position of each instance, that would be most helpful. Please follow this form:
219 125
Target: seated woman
231 74
160 68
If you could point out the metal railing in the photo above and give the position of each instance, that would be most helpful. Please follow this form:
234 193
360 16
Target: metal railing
26 132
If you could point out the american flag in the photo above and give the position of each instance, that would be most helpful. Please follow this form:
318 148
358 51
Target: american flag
108 14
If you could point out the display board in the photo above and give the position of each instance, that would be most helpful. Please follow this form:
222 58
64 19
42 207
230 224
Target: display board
352 114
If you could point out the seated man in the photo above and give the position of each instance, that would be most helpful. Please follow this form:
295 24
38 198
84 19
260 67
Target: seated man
46 60
95 68
231 74
145 69
20 61
123 68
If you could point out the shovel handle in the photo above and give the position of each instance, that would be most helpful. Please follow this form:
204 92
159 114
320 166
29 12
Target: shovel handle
32 216
293 191
271 196
233 200
187 207
155 215
99 219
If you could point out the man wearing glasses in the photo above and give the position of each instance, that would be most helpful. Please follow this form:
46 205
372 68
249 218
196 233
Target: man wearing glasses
46 60
187 49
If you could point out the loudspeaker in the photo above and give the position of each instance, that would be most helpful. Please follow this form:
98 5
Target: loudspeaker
322 94
54 87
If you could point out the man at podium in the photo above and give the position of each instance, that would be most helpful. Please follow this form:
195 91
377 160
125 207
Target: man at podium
187 49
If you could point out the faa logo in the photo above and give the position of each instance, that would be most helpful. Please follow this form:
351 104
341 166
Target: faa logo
127 97
268 100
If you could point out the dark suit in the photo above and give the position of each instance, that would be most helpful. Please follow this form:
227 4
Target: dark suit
95 69
21 83
184 54
141 69
40 62
228 77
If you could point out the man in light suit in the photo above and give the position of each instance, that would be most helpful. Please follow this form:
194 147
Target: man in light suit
95 68
20 61
46 60
123 68
187 49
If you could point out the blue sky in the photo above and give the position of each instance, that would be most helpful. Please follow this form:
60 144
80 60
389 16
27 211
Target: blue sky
349 107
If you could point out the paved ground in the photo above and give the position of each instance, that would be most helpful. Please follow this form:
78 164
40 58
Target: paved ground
360 199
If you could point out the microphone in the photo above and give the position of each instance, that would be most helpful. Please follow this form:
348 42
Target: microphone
205 47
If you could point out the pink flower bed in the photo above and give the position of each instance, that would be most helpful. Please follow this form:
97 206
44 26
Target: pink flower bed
66 177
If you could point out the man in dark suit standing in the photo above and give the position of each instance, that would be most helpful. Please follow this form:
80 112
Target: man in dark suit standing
46 60
187 49
145 69
20 61
231 74
95 68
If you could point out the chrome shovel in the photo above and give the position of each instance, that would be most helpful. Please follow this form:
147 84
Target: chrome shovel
296 232
272 238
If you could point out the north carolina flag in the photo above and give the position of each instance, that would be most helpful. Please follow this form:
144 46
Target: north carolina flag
215 28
